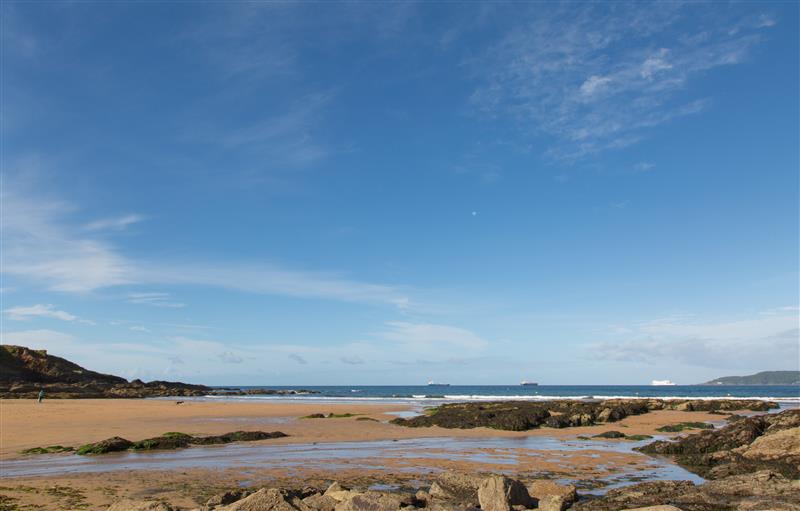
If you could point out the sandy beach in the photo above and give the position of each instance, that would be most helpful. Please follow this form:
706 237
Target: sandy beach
25 424
392 456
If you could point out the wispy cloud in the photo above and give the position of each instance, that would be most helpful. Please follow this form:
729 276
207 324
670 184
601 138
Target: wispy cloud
598 76
22 313
39 245
767 341
425 336
114 224
155 299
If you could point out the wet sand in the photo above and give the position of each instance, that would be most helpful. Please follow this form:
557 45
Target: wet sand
25 424
318 451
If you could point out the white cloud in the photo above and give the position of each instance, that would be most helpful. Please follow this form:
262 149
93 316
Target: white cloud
114 224
424 336
156 299
37 339
42 311
596 78
39 245
766 341
139 328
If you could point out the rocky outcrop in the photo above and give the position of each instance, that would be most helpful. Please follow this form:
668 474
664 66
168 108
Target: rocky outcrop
763 442
24 372
764 490
563 413
174 440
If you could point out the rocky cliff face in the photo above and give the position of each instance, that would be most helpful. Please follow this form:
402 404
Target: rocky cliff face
23 372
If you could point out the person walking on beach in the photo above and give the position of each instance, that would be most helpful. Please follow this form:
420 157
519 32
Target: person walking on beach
41 396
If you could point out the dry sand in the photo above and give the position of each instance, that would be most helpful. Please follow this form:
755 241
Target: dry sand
25 424
72 422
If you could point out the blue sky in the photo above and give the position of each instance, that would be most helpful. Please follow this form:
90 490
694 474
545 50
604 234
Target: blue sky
387 193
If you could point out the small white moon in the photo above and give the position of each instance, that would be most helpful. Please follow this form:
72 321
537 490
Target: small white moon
474 213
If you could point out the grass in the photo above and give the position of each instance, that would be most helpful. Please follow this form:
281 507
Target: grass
367 419
681 426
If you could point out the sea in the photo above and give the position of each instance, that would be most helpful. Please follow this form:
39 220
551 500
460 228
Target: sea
432 394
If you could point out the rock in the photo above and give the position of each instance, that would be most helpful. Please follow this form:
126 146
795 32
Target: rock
552 503
139 505
499 493
745 446
113 444
456 486
774 446
265 500
654 508
374 501
337 492
542 488
652 493
321 502
225 498
610 434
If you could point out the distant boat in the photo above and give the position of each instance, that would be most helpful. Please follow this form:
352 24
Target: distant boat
434 384
528 383
661 382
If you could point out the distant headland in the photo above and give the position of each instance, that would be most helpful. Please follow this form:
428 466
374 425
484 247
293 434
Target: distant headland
762 378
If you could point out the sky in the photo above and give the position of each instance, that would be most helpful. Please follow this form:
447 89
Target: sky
290 193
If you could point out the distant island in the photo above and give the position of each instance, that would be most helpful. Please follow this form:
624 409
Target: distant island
762 378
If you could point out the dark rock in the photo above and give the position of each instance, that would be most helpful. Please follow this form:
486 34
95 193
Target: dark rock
113 444
728 450
610 434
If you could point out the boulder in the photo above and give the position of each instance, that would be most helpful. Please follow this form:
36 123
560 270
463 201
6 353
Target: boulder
499 493
338 492
113 444
321 502
456 486
652 493
552 503
654 508
774 446
543 488
139 505
225 498
374 501
265 500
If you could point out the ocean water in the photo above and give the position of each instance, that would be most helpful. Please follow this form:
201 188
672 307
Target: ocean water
788 394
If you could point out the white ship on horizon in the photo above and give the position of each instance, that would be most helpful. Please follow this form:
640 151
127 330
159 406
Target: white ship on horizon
662 382
528 383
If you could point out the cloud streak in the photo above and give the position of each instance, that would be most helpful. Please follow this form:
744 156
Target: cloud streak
41 247
598 76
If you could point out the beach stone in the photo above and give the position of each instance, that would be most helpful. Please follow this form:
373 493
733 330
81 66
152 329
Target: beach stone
456 486
321 502
542 488
552 503
374 501
139 505
265 500
225 498
499 493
